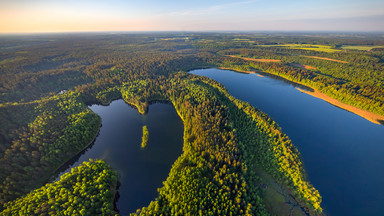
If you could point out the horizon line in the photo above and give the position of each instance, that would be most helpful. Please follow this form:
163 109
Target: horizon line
191 31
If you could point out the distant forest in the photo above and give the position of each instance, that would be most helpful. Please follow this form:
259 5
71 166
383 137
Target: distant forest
47 81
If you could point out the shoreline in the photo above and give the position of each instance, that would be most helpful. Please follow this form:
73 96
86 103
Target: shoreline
57 171
370 116
274 76
236 70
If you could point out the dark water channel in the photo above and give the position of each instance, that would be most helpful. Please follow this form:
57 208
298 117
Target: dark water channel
141 171
343 153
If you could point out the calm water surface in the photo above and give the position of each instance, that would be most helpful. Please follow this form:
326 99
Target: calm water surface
141 171
343 153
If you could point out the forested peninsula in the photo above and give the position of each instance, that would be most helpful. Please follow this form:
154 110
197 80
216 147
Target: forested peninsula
231 150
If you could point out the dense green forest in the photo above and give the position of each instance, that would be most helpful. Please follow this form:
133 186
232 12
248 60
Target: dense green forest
88 189
47 81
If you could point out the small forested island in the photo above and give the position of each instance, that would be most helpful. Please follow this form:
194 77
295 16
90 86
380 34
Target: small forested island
236 160
144 141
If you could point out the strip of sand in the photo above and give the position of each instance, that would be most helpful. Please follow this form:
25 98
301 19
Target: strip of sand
370 116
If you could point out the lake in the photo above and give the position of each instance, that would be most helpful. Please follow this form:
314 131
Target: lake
141 171
343 153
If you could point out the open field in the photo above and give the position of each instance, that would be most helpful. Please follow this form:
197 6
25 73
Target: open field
313 47
362 48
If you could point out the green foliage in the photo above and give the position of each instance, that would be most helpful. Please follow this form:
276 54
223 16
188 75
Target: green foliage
224 139
88 189
358 83
363 48
314 47
263 143
61 128
45 133
209 177
145 137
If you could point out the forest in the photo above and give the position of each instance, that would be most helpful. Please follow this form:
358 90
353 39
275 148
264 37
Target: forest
47 81
145 137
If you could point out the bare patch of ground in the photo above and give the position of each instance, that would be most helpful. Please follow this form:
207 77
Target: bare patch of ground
302 66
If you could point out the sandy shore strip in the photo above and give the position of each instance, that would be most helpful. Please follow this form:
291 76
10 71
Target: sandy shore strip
256 60
329 59
370 116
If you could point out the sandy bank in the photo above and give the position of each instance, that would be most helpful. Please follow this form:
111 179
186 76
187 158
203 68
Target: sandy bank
370 116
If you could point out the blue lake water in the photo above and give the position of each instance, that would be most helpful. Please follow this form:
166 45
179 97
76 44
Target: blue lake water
141 171
343 153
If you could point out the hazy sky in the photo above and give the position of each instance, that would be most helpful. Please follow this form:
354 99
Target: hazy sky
192 15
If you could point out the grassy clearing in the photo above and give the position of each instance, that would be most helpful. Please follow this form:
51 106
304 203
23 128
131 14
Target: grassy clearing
277 199
361 48
313 47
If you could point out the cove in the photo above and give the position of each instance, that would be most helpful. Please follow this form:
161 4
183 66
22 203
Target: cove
141 171
342 152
